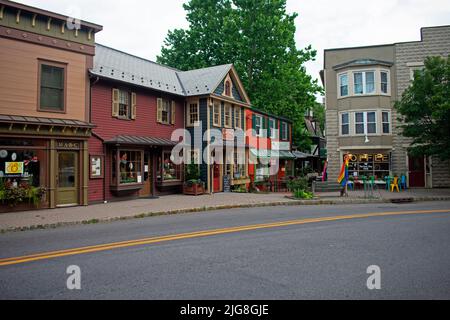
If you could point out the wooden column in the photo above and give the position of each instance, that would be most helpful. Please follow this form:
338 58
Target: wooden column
52 174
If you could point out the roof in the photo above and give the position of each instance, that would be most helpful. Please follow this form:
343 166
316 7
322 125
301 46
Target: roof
46 13
136 140
363 62
45 121
302 155
120 66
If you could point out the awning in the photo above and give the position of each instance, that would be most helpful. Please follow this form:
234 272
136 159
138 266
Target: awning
39 121
262 153
302 155
143 141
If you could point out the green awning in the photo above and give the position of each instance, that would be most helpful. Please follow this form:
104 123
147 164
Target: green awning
285 155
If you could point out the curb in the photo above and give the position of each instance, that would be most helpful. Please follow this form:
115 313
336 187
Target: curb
289 203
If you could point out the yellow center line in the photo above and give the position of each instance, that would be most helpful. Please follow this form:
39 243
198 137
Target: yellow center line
198 234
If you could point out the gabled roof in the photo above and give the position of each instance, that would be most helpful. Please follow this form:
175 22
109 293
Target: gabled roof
120 66
203 81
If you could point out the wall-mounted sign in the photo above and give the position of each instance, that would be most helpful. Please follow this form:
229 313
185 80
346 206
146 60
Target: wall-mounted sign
96 167
14 167
73 145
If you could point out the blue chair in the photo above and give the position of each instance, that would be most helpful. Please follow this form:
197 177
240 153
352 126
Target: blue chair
350 184
403 184
388 182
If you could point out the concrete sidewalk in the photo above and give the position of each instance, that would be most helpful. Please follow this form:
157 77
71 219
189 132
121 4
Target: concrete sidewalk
174 204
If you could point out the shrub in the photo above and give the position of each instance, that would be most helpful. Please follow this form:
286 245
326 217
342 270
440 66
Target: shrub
298 184
302 194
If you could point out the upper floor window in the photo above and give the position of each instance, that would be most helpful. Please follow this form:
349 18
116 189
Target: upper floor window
258 126
123 104
384 82
217 114
193 114
284 131
386 122
345 124
364 82
228 88
365 122
237 117
166 111
52 87
272 132
343 85
227 115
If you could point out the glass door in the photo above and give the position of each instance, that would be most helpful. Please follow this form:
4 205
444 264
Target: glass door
67 179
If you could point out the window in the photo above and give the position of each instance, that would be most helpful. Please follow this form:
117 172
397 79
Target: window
371 123
52 82
129 166
165 111
258 126
237 117
239 165
343 84
124 104
364 82
377 165
228 88
169 171
345 124
193 116
284 131
386 120
384 82
272 129
217 114
365 122
227 116
359 123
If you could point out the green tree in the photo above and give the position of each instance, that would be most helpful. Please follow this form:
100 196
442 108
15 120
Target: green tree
258 37
425 109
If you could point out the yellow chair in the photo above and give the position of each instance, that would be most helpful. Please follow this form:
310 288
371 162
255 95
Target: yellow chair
394 185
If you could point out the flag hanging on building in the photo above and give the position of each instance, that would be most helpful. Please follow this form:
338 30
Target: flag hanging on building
343 177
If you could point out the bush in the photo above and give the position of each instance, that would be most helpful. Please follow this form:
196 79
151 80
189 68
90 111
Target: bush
302 194
298 184
192 172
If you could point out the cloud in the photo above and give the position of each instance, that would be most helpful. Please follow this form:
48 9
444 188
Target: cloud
139 27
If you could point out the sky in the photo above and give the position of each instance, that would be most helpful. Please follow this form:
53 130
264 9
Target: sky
140 26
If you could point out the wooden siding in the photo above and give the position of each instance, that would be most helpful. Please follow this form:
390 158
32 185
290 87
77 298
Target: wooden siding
19 79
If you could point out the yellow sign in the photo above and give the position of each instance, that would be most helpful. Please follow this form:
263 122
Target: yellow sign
14 168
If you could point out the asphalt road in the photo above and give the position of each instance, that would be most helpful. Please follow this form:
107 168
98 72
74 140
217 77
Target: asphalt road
317 260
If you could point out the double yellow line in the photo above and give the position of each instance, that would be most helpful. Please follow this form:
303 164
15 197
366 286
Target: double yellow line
206 233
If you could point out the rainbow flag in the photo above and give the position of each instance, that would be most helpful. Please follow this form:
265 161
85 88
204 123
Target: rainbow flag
343 177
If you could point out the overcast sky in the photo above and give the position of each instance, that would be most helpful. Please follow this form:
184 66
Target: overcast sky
140 26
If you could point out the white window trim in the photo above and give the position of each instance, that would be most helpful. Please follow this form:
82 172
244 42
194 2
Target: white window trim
237 111
260 125
219 105
364 83
389 121
366 123
283 132
225 108
189 123
272 129
341 124
339 85
388 93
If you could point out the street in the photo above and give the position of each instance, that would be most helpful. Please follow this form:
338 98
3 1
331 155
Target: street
285 254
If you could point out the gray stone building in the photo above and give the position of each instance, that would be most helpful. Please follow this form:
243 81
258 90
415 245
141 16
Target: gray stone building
361 87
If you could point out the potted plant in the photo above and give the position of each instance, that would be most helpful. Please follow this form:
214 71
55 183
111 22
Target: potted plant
193 185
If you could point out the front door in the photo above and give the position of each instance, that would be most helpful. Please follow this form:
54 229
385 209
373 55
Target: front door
416 172
67 191
148 177
217 177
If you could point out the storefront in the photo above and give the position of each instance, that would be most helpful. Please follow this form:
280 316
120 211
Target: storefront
43 163
376 165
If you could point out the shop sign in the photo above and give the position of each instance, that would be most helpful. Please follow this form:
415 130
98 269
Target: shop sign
14 167
73 145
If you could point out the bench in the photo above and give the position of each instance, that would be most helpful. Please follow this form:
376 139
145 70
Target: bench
320 186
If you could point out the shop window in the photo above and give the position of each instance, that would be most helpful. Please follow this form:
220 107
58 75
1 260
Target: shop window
168 171
22 167
239 166
129 166
52 87
376 165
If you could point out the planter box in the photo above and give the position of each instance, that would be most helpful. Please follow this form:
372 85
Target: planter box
194 189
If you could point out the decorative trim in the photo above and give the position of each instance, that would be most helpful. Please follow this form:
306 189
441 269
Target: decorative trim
46 41
18 16
49 24
33 20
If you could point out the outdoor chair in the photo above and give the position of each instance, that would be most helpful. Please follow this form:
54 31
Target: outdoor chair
394 185
388 180
403 185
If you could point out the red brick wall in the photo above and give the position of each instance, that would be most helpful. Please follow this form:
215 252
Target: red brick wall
109 127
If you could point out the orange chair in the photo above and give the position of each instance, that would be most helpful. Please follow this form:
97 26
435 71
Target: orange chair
394 185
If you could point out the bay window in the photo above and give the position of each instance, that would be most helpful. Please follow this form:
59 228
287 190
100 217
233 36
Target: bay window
343 85
386 122
384 82
345 124
365 122
364 82
359 123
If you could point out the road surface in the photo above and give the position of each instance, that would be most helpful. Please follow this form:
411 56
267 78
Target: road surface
308 252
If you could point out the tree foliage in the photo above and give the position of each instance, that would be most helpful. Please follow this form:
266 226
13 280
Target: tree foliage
258 37
425 109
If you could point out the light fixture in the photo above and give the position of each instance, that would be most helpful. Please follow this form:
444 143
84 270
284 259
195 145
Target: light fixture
367 139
